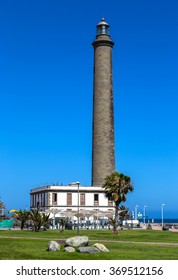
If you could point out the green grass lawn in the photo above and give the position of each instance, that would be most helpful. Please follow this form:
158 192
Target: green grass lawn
28 245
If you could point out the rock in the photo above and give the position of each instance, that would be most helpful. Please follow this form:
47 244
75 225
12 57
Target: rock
77 241
101 247
69 249
88 249
53 246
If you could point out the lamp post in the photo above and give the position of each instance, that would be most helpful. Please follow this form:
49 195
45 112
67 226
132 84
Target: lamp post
132 218
136 215
78 183
162 210
97 217
144 214
2 208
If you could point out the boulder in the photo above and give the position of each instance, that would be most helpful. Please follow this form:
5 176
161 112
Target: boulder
69 249
101 247
88 249
53 246
77 241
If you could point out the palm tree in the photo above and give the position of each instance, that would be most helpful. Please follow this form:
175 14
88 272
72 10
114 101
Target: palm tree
39 219
22 216
124 214
117 185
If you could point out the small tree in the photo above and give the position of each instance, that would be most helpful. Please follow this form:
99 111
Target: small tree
39 219
117 185
22 216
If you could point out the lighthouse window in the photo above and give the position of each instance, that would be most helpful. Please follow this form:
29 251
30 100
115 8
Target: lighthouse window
102 29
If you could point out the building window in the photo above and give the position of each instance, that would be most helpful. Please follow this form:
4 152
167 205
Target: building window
110 201
69 199
82 199
46 199
96 199
54 199
41 199
37 201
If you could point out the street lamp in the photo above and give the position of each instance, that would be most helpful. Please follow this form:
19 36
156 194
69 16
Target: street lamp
136 215
144 214
132 218
97 217
2 208
162 208
78 183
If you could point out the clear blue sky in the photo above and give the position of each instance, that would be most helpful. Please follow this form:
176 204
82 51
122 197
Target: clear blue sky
46 88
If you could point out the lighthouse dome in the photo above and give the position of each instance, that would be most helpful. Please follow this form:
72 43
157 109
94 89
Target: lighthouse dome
102 28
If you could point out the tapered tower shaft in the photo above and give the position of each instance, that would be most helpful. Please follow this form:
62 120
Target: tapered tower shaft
103 158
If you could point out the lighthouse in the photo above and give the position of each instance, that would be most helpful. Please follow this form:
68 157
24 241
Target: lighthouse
103 154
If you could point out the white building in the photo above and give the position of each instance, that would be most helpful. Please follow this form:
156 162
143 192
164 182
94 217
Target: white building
73 197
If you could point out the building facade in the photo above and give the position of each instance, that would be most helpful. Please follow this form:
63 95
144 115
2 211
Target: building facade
68 198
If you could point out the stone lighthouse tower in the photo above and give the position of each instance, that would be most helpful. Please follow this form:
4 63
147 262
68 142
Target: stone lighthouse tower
103 158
